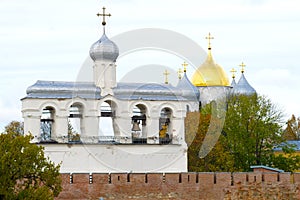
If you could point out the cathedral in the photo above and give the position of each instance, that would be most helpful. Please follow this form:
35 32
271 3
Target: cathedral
146 119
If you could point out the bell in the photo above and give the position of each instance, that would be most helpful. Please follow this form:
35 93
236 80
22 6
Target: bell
136 126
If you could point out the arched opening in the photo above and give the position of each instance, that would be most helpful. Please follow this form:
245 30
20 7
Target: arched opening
75 124
187 108
47 124
139 124
106 122
165 126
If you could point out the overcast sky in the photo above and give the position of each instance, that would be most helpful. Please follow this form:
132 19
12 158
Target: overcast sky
49 40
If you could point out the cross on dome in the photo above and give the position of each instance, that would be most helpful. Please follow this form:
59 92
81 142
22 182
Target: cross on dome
166 74
233 72
103 15
184 64
179 72
104 48
209 37
242 65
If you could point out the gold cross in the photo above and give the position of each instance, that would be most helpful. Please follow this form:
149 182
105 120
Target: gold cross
166 73
233 72
184 66
242 65
209 37
179 72
103 15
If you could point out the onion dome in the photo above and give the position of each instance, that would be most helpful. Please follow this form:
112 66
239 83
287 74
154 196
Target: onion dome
189 91
210 73
243 87
104 49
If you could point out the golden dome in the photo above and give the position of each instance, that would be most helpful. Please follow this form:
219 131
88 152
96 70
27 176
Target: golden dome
210 74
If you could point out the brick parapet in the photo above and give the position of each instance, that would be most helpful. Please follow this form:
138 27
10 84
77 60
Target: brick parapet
177 185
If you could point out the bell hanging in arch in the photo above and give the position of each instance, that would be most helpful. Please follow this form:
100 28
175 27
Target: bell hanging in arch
136 126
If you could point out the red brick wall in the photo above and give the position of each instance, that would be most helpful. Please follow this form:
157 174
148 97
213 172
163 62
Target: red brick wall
180 186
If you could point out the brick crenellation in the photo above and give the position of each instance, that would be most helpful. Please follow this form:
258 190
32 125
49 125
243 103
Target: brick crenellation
221 185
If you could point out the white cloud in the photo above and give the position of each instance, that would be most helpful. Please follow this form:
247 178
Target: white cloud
9 112
271 76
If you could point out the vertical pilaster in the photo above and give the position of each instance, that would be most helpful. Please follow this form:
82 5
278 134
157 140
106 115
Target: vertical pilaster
178 130
122 128
153 130
32 126
91 124
60 130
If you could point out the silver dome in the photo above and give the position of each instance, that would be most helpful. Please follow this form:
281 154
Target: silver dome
243 87
104 49
188 90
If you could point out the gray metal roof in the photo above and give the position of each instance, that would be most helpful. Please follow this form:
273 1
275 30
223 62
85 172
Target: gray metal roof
295 144
88 90
189 91
62 89
266 167
243 87
147 91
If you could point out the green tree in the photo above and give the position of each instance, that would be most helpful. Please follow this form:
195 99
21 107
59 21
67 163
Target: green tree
218 159
15 127
287 159
25 173
253 127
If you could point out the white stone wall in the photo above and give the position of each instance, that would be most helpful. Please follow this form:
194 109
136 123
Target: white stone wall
92 156
213 93
32 111
96 158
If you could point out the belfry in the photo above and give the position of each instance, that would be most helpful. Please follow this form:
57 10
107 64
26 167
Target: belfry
146 119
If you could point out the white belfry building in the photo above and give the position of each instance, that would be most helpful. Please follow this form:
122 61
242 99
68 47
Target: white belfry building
147 119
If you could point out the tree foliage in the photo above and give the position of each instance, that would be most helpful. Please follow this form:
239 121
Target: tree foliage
287 159
218 159
25 173
73 135
253 127
15 127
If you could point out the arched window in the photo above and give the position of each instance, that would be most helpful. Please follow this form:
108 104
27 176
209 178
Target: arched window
139 122
165 126
106 122
75 127
47 124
